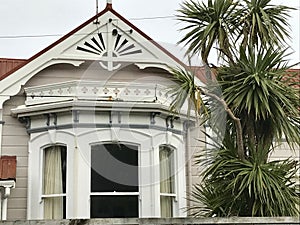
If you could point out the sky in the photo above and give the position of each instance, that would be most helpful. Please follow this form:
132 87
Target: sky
28 26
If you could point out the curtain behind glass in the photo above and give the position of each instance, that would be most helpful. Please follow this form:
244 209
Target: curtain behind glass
165 182
53 206
166 206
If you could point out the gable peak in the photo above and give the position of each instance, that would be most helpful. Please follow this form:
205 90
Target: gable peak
109 3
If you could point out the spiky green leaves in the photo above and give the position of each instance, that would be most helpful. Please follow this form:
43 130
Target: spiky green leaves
264 23
226 23
185 91
232 187
254 87
250 36
207 25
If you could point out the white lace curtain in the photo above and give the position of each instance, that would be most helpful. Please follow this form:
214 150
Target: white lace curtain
53 205
165 182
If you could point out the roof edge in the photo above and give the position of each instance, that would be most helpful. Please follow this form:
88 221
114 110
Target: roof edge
145 36
9 59
107 8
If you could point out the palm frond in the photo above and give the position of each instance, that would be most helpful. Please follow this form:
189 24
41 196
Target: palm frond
231 187
208 25
255 85
186 91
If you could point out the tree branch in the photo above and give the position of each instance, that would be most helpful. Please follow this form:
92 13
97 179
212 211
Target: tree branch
237 121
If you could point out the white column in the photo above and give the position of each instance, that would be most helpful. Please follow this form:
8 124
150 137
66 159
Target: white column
109 46
4 206
188 162
6 185
1 127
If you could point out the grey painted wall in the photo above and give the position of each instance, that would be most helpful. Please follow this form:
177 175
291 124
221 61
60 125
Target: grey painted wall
14 142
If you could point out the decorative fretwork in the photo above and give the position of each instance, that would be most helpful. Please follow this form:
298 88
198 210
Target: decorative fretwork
95 46
97 91
121 46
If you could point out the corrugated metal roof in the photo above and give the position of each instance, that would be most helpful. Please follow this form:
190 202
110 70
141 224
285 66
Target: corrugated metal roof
293 75
7 65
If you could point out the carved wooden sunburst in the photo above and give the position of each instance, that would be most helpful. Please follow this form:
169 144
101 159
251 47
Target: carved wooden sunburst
121 46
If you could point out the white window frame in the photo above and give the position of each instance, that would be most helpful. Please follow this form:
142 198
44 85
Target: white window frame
171 149
35 203
44 196
117 193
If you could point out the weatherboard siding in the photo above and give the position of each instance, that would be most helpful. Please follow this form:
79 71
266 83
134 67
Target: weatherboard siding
14 142
195 147
283 150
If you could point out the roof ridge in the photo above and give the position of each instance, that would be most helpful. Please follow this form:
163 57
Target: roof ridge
106 9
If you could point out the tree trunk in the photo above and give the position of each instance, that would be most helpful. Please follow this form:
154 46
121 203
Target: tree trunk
237 122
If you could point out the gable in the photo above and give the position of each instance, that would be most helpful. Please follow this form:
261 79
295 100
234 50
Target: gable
107 38
111 44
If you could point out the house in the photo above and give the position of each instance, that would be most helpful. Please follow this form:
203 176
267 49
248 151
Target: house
86 126
88 122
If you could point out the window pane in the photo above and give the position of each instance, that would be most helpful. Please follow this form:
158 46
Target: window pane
54 181
166 173
166 208
55 208
114 167
166 180
114 206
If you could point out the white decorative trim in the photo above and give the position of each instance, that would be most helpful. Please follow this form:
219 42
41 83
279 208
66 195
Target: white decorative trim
10 89
149 65
92 90
7 183
60 53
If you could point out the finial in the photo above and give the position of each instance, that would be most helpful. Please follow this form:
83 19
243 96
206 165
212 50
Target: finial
109 4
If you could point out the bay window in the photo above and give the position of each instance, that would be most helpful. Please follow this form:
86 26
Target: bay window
82 177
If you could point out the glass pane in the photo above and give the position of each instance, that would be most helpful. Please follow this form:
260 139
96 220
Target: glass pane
114 206
166 172
166 208
54 181
166 180
64 167
114 167
52 208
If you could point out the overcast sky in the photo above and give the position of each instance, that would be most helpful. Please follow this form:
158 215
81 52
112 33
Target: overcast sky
22 18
